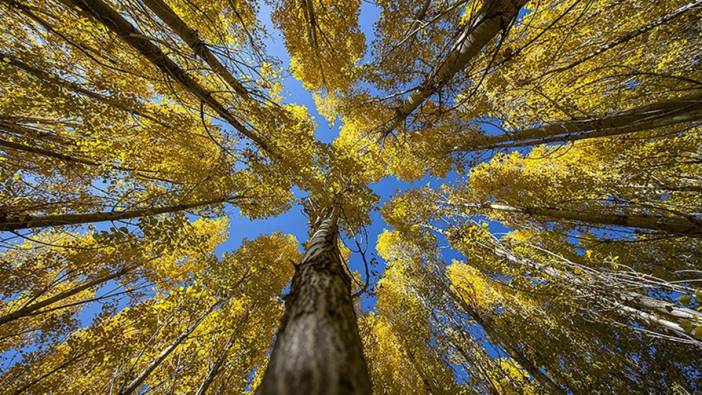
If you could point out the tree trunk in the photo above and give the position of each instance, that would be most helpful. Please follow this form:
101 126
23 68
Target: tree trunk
148 369
191 37
28 221
115 22
51 78
69 158
582 288
493 17
216 367
543 378
673 225
32 308
58 368
318 348
682 110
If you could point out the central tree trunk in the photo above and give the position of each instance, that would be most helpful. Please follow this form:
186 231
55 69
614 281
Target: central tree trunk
318 348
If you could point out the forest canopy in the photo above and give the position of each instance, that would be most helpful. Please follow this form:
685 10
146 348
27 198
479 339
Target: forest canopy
543 234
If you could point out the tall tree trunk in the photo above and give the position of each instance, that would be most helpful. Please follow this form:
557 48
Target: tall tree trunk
493 17
69 158
114 21
216 366
318 348
28 221
681 110
46 78
192 38
420 372
582 287
148 369
58 368
31 309
630 36
673 225
543 378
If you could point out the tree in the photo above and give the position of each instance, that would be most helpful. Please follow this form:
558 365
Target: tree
555 247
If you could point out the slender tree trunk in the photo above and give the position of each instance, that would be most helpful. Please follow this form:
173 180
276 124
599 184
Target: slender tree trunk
191 37
630 36
58 368
682 110
476 362
580 287
544 379
216 367
493 17
420 372
115 22
148 369
318 348
32 308
50 78
28 221
223 355
674 225
11 126
73 159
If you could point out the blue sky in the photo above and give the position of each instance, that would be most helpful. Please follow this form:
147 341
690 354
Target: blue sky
294 221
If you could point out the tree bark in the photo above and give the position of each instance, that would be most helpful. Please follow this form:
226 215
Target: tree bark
28 221
673 225
103 13
682 110
493 17
191 37
32 308
318 348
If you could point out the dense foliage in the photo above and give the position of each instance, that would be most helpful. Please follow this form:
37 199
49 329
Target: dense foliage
555 248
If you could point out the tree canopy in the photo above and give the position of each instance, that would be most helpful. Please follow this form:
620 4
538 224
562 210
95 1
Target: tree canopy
546 235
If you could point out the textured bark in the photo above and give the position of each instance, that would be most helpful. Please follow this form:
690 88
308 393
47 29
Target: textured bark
112 19
28 221
318 348
493 17
682 110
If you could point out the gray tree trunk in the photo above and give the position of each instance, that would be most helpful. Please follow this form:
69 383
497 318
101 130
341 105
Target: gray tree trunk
318 348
